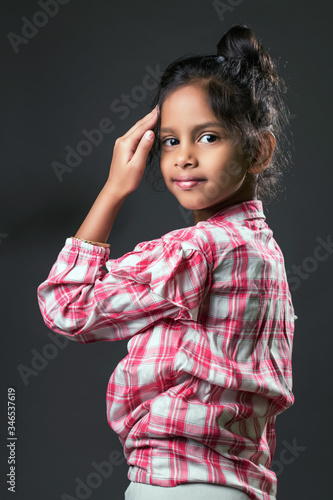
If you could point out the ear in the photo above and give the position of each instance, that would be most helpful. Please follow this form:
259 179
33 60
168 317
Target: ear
266 150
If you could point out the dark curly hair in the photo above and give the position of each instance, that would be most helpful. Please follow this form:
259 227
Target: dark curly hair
245 93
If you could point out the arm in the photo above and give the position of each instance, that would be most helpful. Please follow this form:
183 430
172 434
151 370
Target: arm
158 280
100 219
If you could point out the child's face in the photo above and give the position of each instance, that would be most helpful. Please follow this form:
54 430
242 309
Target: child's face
204 153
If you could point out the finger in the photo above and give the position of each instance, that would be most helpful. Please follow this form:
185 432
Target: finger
144 123
139 157
132 140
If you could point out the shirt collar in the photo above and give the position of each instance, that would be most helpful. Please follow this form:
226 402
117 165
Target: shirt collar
246 210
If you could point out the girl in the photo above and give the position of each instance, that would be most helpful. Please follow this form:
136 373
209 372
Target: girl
207 308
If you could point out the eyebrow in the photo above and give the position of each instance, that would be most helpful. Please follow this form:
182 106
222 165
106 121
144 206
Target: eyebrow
196 128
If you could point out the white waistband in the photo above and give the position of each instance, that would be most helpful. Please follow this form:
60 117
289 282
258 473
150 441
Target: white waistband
185 491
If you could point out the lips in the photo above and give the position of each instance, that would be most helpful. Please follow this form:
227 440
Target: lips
188 178
188 182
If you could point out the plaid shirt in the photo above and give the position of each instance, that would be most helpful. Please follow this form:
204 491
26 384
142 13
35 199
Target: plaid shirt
209 318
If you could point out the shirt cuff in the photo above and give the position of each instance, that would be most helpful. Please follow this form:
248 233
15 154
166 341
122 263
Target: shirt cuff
82 246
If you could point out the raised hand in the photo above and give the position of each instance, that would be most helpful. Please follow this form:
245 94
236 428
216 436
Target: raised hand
130 155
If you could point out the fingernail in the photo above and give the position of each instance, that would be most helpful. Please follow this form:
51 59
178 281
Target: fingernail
149 135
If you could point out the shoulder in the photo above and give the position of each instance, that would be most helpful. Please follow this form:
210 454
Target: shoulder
235 238
190 239
235 229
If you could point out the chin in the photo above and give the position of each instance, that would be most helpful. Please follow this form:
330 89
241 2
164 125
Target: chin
189 205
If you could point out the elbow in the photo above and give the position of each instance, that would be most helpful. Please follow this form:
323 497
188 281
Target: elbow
60 319
54 321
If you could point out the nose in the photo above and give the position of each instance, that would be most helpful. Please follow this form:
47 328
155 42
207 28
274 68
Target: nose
185 156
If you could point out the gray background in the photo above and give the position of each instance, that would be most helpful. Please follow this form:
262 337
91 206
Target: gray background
64 80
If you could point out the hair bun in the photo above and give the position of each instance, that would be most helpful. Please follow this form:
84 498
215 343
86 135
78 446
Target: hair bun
241 43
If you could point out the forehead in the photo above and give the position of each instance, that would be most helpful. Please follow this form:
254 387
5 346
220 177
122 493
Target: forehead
187 102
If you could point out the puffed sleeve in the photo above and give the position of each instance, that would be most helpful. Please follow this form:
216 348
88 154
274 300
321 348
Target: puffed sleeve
158 279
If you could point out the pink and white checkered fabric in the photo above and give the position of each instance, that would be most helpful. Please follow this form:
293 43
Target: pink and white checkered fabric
210 321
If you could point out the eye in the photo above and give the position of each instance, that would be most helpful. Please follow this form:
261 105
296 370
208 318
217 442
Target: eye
164 141
211 136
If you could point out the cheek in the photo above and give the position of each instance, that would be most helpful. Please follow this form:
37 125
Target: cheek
228 174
